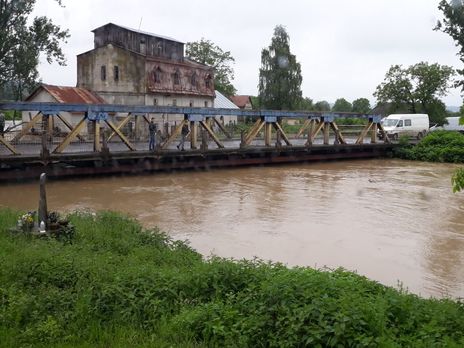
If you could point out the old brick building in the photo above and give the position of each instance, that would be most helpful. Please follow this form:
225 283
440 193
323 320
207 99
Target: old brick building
129 66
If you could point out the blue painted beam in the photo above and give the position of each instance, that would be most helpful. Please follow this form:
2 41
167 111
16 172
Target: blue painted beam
50 108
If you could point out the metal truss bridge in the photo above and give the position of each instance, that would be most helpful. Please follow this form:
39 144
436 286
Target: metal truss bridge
71 149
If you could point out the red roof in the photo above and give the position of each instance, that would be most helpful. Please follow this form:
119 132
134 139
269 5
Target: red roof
70 95
241 100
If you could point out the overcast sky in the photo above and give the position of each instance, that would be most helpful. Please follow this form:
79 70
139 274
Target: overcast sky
344 47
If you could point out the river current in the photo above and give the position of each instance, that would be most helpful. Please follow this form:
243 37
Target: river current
394 221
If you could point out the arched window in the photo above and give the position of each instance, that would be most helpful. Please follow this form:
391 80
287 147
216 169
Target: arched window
193 79
208 81
157 75
176 77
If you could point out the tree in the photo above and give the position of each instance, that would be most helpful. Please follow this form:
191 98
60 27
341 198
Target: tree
453 25
418 88
362 106
21 44
342 105
322 106
206 52
280 74
306 104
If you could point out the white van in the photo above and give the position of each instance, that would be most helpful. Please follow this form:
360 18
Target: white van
414 125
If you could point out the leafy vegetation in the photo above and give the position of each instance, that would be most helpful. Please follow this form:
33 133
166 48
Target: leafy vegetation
342 105
22 40
206 52
416 89
280 74
438 146
117 285
453 25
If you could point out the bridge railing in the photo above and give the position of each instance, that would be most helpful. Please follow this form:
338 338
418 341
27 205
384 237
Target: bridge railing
52 128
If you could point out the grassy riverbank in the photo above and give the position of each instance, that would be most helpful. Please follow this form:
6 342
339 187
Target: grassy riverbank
117 285
438 146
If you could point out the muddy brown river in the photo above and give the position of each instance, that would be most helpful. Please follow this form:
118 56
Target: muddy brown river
392 221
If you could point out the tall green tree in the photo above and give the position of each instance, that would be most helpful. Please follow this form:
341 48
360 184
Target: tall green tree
362 105
206 52
280 74
322 106
418 88
453 25
306 104
342 105
22 40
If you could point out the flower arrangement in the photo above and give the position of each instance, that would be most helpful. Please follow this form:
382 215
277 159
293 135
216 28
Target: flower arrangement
26 221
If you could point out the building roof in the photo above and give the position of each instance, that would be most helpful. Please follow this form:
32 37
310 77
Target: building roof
139 32
222 102
241 100
69 95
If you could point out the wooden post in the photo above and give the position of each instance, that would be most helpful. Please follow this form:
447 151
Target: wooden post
104 135
204 140
326 133
96 138
193 135
267 134
374 133
43 215
45 153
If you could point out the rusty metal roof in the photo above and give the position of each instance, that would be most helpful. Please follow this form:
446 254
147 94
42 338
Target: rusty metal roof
70 95
241 100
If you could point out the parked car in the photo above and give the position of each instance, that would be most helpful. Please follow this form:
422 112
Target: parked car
413 125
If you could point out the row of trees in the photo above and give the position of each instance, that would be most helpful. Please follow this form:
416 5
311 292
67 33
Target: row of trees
414 89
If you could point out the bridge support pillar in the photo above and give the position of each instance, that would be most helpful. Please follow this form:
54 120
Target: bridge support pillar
96 136
193 135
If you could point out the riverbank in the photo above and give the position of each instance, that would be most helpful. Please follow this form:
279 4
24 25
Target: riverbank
438 146
119 285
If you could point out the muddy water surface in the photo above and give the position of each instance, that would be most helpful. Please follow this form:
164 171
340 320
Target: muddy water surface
393 221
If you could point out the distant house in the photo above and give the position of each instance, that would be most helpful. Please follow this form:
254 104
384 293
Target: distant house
61 94
242 101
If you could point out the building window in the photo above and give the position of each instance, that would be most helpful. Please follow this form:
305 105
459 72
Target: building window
155 101
193 80
157 75
208 81
206 103
116 73
159 49
176 78
174 102
103 72
191 104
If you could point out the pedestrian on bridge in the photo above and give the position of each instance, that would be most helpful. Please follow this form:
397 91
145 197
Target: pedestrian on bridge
2 124
184 132
152 133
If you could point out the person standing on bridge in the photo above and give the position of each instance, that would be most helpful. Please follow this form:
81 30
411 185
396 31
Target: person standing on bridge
184 132
152 133
2 124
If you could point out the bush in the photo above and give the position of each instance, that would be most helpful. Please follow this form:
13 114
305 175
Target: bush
118 285
438 146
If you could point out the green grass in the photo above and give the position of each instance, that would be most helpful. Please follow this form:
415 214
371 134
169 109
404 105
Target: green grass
118 285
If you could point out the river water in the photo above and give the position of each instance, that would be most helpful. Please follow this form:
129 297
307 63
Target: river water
390 220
